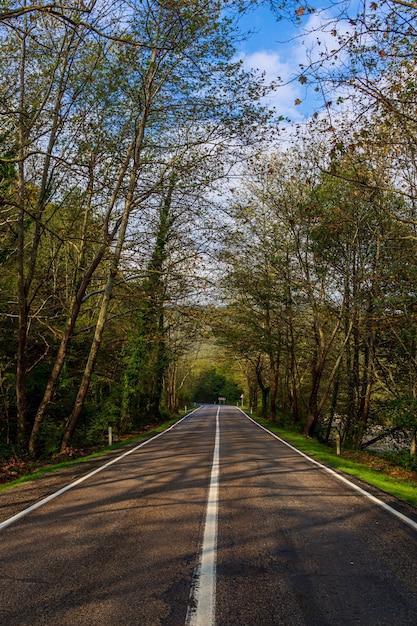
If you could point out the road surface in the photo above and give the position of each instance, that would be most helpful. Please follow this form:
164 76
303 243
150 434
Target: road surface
215 522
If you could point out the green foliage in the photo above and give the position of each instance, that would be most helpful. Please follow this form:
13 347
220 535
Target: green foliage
211 385
104 129
321 259
401 411
145 367
92 429
7 450
49 438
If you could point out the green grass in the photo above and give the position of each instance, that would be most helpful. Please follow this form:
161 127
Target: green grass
403 489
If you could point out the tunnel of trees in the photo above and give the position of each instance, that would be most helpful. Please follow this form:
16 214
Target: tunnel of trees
127 246
211 385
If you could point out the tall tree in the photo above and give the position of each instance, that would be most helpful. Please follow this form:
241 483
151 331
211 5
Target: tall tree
148 359
189 56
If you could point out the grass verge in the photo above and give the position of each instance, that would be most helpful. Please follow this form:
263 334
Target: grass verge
368 467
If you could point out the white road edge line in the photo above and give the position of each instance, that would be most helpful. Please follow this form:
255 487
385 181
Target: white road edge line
204 589
363 492
54 495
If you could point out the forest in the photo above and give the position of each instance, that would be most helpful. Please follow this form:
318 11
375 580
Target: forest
167 238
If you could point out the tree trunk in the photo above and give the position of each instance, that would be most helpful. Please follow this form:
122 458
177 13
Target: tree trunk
264 390
371 348
292 382
316 376
170 387
92 357
333 405
81 285
21 399
413 444
124 220
273 389
52 383
368 383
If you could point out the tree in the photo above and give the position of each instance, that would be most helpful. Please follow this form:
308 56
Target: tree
183 48
254 323
37 105
148 358
104 110
212 385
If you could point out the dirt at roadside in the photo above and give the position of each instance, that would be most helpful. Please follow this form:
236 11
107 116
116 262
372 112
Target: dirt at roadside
16 498
382 465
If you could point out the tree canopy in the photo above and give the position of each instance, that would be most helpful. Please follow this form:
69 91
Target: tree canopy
148 205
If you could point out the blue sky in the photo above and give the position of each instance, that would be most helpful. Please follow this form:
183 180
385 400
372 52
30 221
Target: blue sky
278 48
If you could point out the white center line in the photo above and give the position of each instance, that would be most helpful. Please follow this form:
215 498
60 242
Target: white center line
204 592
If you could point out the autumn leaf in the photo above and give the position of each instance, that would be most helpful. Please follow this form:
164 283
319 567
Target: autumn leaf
302 80
297 101
300 11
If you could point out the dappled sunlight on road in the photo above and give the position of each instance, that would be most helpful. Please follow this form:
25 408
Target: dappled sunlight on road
295 546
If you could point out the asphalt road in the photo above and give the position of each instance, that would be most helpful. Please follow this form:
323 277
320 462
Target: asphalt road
294 545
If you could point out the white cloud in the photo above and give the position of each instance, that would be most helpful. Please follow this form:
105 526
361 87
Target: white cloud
281 50
319 37
281 74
